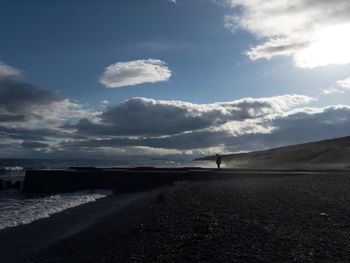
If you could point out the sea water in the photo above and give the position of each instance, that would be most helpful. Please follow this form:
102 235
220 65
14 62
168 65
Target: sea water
17 209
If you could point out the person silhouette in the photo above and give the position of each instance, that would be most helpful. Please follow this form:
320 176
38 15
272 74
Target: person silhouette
218 160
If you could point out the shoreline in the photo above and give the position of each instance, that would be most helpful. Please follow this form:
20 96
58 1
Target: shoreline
293 217
16 243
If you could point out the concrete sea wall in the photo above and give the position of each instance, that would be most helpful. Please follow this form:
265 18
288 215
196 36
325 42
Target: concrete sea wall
126 180
118 180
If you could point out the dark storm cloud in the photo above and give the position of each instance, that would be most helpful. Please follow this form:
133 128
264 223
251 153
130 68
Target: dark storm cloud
302 125
186 141
148 117
19 104
332 121
33 134
11 118
299 126
30 113
19 100
34 145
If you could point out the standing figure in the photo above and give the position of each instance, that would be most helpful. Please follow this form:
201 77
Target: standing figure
218 161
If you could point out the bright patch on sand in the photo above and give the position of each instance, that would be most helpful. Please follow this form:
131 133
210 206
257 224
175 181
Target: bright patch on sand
14 212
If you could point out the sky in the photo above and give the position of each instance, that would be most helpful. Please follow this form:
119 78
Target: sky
116 78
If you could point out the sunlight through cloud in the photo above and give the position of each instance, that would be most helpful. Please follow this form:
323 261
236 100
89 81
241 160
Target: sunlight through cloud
314 33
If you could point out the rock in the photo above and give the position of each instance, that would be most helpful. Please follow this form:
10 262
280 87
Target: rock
2 185
7 184
18 185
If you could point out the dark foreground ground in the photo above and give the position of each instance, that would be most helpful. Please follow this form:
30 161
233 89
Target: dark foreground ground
248 218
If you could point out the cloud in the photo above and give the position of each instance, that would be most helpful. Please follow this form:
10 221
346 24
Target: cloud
104 102
135 72
313 32
186 141
37 122
35 134
7 71
182 126
34 145
292 127
30 113
341 86
149 117
305 125
21 101
254 124
345 83
275 47
42 123
25 105
121 152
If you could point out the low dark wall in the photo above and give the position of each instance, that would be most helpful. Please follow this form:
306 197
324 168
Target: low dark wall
118 180
125 180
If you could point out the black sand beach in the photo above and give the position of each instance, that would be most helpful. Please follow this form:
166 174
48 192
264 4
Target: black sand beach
268 217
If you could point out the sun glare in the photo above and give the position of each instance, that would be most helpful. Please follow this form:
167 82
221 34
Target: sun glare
329 46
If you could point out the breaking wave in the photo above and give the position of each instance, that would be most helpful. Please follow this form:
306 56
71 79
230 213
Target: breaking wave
14 212
11 168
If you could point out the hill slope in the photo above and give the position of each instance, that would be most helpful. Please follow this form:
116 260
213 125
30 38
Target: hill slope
334 153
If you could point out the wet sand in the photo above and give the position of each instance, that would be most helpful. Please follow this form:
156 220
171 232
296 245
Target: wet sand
244 218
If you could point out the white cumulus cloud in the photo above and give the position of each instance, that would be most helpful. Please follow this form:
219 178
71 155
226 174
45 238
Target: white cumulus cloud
135 72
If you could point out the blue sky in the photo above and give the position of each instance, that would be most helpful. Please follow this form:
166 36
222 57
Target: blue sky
198 52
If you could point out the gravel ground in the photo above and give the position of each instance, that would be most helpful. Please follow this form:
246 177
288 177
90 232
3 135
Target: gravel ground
265 218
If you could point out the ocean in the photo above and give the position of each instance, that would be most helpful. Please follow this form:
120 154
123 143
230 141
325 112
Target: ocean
18 209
